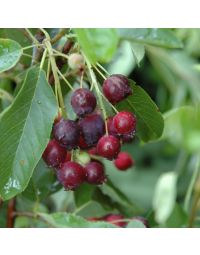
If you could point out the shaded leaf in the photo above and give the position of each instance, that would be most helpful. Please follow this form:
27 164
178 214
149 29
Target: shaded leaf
135 224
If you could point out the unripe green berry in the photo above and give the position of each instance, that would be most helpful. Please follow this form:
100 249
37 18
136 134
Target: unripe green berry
83 158
76 61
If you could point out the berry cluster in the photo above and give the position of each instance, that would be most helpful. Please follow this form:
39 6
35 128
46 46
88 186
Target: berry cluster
119 220
93 135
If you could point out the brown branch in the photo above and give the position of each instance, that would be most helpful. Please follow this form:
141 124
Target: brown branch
59 35
10 213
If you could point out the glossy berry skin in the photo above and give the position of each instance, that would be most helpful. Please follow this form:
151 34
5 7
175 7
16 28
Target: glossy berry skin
92 129
54 154
124 122
92 151
123 161
83 102
71 175
111 218
111 129
116 88
95 173
67 133
108 147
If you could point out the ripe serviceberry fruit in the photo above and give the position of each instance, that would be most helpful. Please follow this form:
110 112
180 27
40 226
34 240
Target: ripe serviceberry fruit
128 138
116 88
68 156
115 219
82 144
92 151
111 129
67 133
92 128
83 101
76 61
108 147
54 154
124 122
123 161
71 175
95 173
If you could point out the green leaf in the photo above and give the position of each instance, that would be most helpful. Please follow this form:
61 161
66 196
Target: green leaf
153 36
138 51
84 194
25 129
10 53
66 220
182 127
178 218
42 183
135 224
150 122
165 196
99 44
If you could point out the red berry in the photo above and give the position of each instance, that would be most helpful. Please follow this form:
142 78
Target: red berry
123 161
115 219
54 154
124 122
108 147
71 175
95 173
111 129
68 156
83 101
82 144
92 128
93 151
116 88
67 133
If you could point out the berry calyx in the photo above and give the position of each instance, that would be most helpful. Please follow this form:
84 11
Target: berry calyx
92 128
76 61
108 147
54 154
67 133
71 175
83 101
128 138
123 161
115 219
95 173
124 122
116 88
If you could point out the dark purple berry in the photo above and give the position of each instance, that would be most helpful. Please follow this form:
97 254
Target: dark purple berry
71 175
92 128
124 122
54 154
95 173
83 101
116 88
108 147
67 133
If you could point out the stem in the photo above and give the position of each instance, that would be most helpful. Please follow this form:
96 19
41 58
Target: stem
60 54
94 82
69 85
82 207
104 77
55 73
10 213
191 186
59 35
102 68
81 80
43 59
109 102
35 41
31 46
